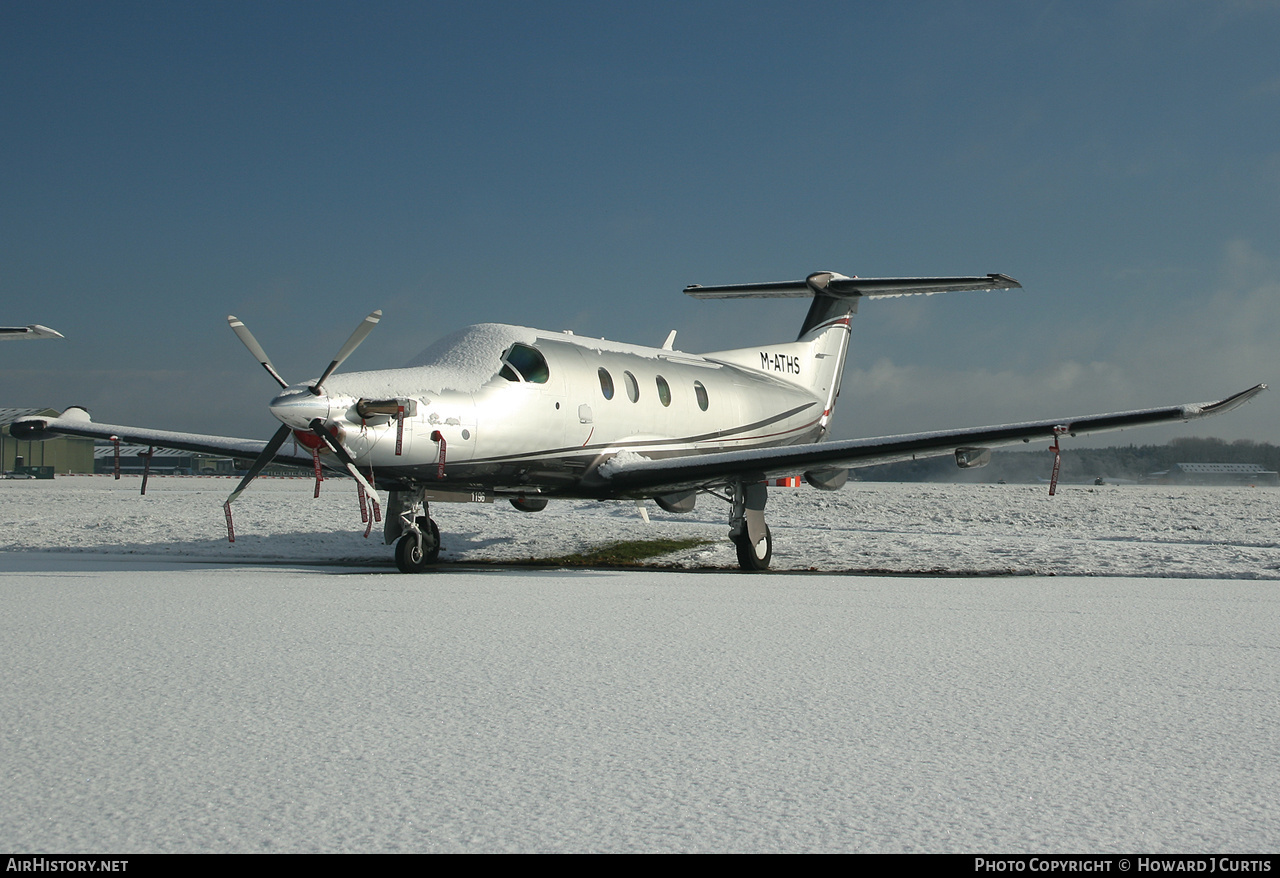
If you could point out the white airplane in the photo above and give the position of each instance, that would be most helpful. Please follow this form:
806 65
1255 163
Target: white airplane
34 330
498 411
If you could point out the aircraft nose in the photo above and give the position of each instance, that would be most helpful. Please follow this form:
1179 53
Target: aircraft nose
298 407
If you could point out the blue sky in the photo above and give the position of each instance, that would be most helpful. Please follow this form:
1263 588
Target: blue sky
574 166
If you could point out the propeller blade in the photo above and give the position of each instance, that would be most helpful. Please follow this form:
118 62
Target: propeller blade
366 326
317 427
242 332
262 460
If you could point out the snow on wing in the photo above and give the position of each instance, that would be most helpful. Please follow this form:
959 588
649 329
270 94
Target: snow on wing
76 422
636 476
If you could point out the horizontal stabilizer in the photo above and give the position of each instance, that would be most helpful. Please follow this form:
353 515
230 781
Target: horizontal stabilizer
837 285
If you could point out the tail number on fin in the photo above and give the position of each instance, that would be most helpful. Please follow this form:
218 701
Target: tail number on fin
779 363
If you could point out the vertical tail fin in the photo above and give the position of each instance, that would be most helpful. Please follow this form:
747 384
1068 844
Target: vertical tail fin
815 360
826 307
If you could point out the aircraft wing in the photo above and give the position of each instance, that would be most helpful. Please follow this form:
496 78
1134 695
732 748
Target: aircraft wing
634 475
76 422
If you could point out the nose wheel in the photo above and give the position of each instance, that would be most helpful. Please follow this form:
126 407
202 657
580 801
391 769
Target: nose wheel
419 548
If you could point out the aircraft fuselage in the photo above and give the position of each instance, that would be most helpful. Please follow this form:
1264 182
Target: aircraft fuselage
546 433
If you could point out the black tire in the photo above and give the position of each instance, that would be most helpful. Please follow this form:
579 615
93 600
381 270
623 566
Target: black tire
749 557
411 559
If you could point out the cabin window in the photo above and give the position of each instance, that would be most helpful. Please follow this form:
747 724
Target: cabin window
664 391
606 383
524 363
701 392
633 388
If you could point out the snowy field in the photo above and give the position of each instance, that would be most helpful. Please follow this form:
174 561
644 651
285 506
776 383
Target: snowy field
1219 533
166 691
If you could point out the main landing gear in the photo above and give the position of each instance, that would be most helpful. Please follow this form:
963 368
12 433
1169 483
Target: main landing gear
747 528
408 519
757 556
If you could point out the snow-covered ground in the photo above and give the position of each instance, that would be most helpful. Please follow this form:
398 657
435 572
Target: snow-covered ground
163 690
1220 533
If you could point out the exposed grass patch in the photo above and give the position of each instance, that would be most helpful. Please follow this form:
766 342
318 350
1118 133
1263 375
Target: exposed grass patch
628 553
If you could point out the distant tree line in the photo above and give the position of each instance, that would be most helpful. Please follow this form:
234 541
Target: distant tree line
1129 462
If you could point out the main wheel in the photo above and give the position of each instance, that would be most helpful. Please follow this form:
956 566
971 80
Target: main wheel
754 557
411 558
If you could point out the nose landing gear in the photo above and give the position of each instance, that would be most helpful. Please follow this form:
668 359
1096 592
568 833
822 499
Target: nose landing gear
409 519
419 548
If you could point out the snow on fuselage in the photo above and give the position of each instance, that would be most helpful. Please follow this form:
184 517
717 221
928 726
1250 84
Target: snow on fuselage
515 405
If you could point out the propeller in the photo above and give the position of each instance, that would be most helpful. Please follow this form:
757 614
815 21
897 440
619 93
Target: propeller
242 332
366 326
316 424
362 331
260 462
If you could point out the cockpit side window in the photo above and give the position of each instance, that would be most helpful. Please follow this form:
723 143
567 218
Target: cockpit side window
524 363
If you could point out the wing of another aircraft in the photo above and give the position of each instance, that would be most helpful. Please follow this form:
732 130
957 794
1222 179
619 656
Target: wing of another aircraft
633 475
34 330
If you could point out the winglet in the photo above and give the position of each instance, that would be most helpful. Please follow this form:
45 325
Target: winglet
1225 405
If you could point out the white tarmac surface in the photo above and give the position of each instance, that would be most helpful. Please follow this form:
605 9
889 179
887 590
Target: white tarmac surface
165 691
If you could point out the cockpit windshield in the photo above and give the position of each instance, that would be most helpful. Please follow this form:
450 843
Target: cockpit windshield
522 362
